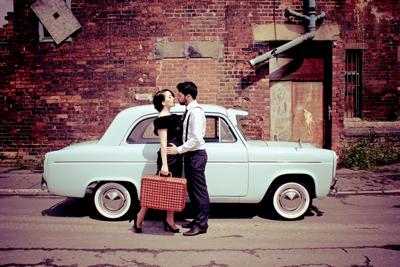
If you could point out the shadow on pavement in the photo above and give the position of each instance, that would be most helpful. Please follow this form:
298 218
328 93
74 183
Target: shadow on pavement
76 207
71 207
314 211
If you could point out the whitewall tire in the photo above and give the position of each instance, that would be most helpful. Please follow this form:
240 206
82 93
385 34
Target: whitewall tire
112 200
291 200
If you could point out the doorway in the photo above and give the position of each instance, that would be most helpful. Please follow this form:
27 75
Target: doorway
297 113
301 95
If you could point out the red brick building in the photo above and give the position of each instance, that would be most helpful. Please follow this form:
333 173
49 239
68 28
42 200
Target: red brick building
341 84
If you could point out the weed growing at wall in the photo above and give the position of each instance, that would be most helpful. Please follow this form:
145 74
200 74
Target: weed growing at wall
365 155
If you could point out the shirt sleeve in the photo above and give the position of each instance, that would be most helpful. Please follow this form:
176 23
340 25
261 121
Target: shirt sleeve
161 123
196 131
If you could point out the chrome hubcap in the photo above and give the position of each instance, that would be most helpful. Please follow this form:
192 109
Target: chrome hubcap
291 199
113 200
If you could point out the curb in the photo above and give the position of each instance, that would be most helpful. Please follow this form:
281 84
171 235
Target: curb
366 192
26 192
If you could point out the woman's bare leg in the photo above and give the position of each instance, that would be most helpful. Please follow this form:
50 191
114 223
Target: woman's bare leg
170 219
140 216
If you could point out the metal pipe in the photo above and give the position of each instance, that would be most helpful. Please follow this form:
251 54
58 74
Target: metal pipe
311 17
289 12
281 49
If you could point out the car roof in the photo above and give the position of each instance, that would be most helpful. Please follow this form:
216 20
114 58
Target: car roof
124 119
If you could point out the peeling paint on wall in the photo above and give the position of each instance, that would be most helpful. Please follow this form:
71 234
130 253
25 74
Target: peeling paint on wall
281 111
362 4
308 118
379 15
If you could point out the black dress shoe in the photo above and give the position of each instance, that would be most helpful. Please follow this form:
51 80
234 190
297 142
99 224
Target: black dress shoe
195 230
188 224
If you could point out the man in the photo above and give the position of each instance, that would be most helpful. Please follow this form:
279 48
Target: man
195 157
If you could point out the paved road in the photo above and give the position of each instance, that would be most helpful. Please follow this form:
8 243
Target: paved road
348 231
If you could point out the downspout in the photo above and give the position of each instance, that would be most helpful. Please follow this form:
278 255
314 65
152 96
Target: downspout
311 17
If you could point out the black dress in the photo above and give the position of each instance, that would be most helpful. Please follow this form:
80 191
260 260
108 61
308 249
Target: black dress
173 124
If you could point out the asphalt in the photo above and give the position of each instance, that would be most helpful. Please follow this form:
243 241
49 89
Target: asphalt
380 180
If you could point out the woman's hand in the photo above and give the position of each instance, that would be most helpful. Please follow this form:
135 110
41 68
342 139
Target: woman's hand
164 170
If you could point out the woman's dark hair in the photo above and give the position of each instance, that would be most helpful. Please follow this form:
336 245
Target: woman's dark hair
187 88
159 98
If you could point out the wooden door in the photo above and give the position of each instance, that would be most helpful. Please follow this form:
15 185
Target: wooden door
297 111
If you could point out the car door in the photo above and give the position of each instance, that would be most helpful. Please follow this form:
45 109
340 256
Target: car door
227 166
141 146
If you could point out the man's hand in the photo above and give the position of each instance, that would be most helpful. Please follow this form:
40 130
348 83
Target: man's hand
171 150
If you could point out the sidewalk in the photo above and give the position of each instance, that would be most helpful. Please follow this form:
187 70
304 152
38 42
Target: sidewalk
18 181
382 180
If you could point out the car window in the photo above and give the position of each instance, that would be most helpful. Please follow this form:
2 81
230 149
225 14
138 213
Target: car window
217 131
143 133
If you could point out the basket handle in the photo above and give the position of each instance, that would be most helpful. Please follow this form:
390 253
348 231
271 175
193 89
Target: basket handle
161 175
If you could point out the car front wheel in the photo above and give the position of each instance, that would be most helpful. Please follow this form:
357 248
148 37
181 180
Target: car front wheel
112 200
291 200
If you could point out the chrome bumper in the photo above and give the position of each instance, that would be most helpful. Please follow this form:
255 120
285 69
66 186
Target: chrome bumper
333 189
43 184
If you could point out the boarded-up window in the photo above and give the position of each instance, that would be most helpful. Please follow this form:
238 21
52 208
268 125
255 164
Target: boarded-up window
58 20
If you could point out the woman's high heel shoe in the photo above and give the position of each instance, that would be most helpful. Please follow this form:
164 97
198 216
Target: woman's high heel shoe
136 227
169 228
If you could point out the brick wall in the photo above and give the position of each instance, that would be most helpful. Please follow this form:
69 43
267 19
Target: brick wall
51 96
373 26
385 134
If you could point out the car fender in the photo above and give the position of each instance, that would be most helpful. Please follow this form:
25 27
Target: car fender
295 173
115 179
263 174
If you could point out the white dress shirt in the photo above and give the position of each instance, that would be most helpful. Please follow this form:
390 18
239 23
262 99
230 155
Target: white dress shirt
194 139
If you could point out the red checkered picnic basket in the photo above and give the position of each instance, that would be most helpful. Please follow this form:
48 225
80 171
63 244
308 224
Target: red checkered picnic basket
163 193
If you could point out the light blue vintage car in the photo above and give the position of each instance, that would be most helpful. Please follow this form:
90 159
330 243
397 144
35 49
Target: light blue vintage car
285 176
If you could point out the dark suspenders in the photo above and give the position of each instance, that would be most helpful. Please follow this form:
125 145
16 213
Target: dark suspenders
187 122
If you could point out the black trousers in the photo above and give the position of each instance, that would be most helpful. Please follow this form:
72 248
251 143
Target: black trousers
195 166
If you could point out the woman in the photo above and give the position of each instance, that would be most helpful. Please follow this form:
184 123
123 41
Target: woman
168 127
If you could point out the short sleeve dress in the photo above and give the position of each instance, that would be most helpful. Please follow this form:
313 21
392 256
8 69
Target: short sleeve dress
173 124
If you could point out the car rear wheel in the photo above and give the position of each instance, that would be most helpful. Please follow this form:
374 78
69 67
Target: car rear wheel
291 200
112 200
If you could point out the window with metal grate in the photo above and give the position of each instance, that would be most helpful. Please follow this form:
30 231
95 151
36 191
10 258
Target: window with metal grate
353 84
